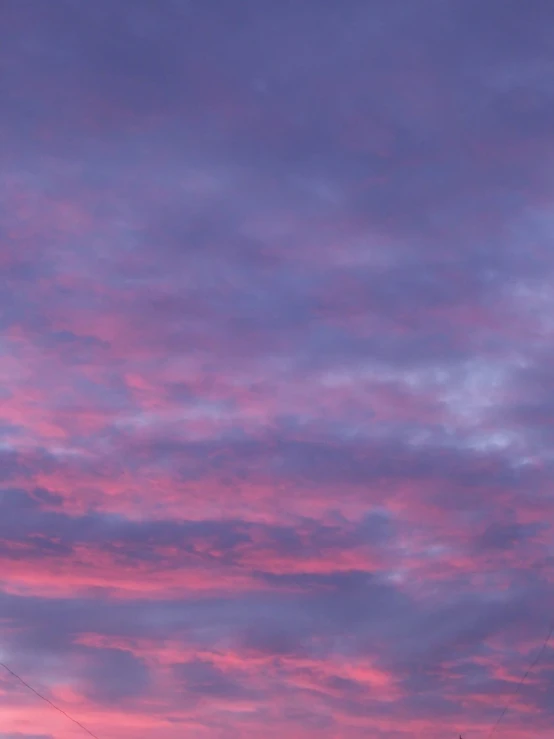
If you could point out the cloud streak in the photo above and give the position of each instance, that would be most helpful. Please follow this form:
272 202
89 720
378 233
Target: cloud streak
275 367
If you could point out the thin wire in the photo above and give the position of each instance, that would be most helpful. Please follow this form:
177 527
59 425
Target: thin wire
516 692
42 697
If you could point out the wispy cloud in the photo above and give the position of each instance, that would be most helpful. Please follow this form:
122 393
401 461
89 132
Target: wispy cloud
275 367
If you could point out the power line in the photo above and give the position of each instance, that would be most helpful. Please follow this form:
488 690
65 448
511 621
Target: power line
46 700
523 678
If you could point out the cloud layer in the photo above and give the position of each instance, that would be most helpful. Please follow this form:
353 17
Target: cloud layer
276 367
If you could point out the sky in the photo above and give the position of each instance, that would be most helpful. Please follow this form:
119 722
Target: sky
276 368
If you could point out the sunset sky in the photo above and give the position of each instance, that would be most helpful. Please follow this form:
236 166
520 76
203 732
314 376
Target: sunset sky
276 368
